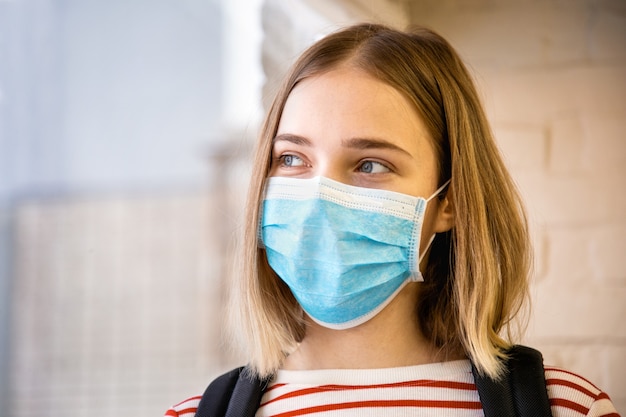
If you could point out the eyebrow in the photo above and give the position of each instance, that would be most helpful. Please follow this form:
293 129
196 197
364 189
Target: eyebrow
354 143
295 139
373 143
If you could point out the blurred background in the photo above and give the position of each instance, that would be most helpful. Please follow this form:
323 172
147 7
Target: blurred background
125 134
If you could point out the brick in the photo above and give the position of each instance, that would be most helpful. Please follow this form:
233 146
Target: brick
597 91
587 360
391 12
566 146
555 201
607 247
539 96
524 37
616 376
607 35
523 146
613 198
564 36
568 257
577 311
605 145
531 96
572 200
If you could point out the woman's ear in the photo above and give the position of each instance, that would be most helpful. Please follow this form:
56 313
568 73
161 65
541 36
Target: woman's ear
445 214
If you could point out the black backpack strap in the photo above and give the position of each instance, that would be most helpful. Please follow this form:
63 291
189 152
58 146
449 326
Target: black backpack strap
528 380
522 390
495 396
235 394
215 399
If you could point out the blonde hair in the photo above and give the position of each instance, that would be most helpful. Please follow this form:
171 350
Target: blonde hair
476 280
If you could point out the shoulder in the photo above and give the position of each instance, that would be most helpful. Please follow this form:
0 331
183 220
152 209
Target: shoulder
572 395
216 395
185 408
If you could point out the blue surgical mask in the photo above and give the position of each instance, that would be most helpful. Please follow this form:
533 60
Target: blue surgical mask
345 252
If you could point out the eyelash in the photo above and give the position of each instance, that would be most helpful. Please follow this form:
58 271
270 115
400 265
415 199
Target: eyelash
360 165
281 161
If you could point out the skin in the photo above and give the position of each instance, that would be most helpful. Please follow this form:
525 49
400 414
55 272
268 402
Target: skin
350 127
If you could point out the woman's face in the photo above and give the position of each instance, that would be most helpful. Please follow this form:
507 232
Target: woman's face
350 127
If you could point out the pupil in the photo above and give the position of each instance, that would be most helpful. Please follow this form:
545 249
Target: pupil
288 160
367 167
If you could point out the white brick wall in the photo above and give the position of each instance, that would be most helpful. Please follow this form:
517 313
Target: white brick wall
553 75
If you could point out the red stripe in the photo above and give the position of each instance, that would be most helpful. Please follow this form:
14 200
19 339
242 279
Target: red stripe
190 410
418 383
559 402
570 384
572 374
274 387
171 413
187 400
465 405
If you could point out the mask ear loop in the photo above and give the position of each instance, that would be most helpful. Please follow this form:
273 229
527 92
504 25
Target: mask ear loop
439 190
417 276
432 238
430 242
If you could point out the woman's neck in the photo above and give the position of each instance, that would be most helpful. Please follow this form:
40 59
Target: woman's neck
392 338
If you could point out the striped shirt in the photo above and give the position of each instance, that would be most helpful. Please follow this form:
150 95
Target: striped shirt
441 389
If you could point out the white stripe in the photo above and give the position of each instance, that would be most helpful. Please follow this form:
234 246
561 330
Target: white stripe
460 371
602 407
552 373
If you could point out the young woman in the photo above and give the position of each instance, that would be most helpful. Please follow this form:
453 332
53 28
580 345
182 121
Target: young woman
386 248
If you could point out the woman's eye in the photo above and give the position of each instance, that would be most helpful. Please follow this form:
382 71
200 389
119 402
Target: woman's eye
373 167
291 161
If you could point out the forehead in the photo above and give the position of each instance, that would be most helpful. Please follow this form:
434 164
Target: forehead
347 102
